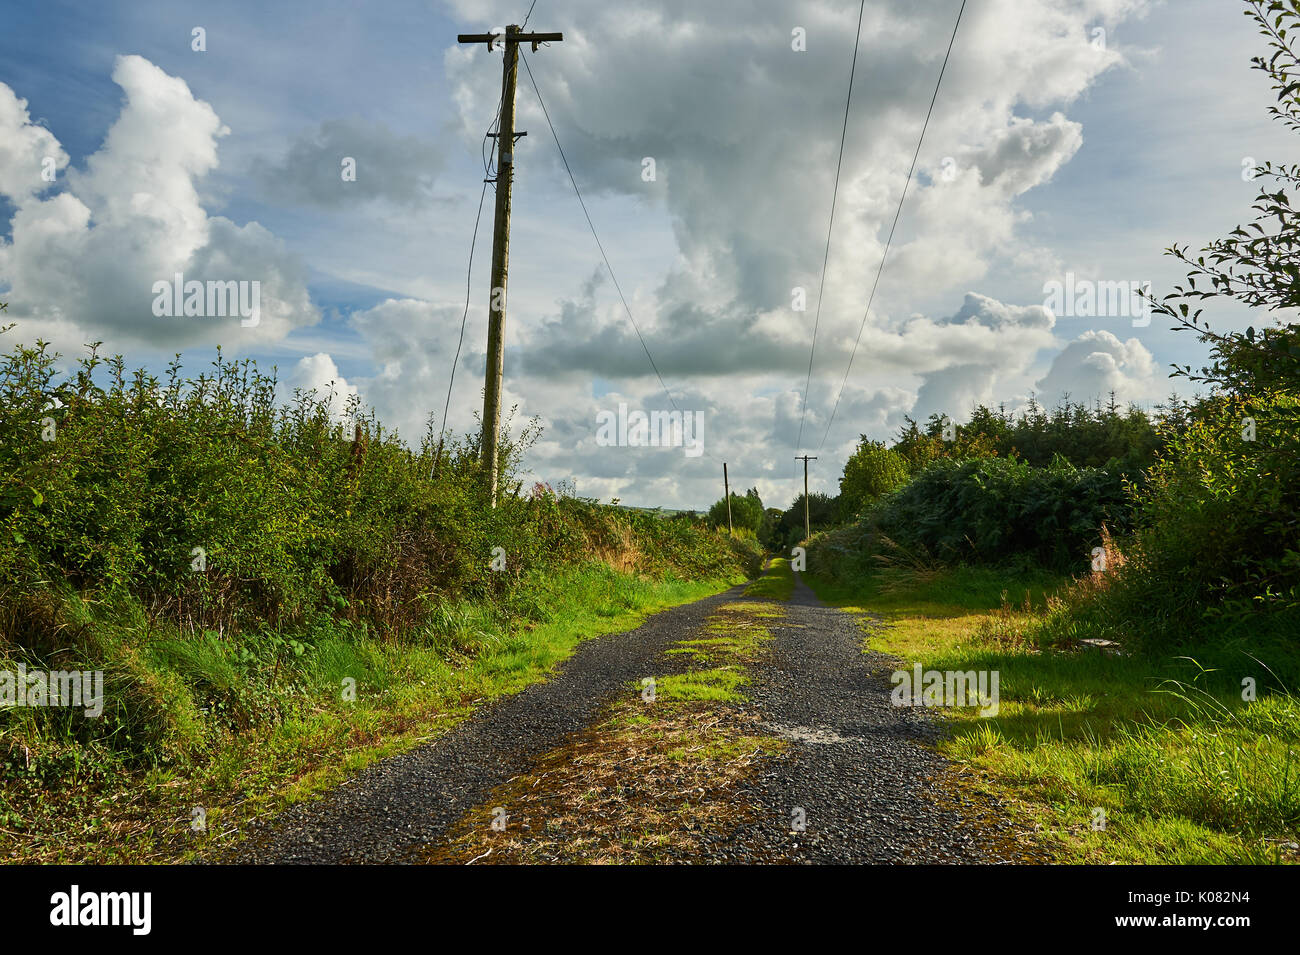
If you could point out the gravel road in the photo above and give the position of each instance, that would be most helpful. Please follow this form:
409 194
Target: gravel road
857 767
410 800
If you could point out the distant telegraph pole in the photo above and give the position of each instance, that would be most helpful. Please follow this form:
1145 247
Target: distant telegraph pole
726 493
807 530
496 347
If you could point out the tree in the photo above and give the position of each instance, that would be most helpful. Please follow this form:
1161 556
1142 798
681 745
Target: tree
1257 264
746 512
769 532
870 473
919 447
1219 518
822 511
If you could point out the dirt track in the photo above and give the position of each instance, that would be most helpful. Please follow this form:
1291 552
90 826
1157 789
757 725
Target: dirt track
847 777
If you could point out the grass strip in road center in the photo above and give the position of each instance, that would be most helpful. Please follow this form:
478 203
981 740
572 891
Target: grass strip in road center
655 781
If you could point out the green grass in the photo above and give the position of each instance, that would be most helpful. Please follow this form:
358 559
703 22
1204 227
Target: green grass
776 584
1184 769
289 732
733 637
930 612
720 684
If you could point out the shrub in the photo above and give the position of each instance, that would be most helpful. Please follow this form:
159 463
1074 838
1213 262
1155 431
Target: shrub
992 509
233 533
870 473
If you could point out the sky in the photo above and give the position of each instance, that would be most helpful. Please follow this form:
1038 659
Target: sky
326 157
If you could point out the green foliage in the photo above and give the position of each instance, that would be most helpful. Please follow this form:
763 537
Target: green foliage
768 530
869 474
1216 552
1085 436
823 512
992 509
1217 548
919 447
1221 514
746 512
219 535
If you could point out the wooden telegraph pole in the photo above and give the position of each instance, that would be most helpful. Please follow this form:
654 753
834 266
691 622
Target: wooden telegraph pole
807 531
726 493
496 347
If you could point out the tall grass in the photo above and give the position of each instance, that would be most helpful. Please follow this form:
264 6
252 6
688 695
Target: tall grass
1189 758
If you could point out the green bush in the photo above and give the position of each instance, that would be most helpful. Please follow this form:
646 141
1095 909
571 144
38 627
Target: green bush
990 510
1215 555
871 472
1221 515
217 509
220 537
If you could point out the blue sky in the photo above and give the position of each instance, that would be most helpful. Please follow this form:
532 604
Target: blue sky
1067 156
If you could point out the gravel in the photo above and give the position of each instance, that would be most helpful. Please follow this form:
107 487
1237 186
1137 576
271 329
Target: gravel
407 801
858 767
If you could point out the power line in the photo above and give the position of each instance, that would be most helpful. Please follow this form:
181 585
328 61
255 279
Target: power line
469 272
528 14
591 226
897 213
857 38
489 169
489 174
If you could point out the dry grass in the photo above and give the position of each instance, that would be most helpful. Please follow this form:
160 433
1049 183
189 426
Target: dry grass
652 782
635 789
618 549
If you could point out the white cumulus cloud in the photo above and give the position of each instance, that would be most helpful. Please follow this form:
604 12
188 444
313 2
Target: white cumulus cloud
83 263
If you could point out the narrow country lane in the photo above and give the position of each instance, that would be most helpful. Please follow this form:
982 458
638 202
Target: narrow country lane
770 738
858 767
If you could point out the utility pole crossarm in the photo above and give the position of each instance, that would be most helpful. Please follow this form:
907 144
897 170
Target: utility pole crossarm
491 39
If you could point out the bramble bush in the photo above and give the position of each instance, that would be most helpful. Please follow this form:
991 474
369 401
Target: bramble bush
991 510
203 510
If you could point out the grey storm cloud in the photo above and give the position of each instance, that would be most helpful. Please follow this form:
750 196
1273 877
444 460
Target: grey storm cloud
581 340
388 166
